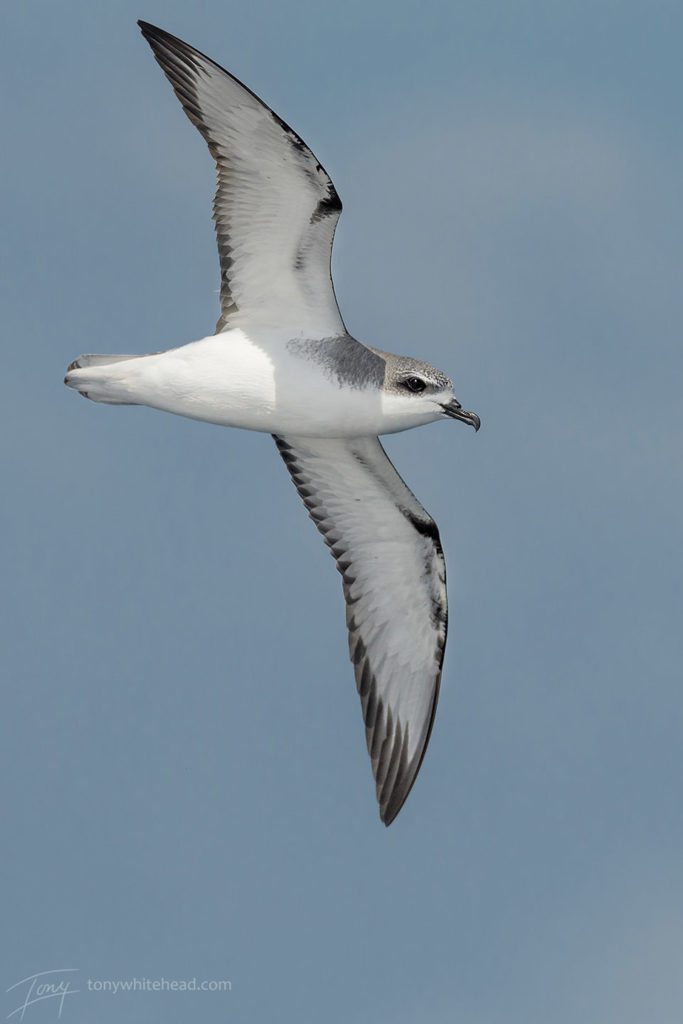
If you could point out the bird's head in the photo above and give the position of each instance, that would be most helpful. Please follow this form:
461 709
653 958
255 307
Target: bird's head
424 391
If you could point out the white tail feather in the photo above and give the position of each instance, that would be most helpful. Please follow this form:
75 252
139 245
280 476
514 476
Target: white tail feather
86 376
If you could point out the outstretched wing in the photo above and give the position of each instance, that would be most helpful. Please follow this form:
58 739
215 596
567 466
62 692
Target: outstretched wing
275 208
388 551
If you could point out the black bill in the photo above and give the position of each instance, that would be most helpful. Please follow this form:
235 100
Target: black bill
456 412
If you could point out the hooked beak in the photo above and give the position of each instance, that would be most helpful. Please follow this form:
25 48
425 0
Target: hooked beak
456 412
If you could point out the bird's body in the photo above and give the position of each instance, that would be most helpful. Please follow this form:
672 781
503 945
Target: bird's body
263 380
282 362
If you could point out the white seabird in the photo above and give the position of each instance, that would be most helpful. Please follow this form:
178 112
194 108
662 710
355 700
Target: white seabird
281 361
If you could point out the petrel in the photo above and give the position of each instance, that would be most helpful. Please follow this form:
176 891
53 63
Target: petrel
282 361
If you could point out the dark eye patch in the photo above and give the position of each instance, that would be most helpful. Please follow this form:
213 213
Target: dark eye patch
414 384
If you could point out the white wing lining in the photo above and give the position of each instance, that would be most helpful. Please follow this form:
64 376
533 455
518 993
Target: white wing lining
388 551
275 208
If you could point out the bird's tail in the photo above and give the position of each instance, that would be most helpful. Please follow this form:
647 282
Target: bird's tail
92 377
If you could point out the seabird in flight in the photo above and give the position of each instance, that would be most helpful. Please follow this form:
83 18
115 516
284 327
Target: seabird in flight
282 361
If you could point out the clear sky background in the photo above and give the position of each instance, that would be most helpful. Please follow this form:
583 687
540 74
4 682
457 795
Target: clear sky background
187 791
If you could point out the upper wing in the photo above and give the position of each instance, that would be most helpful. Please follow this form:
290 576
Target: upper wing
275 208
388 551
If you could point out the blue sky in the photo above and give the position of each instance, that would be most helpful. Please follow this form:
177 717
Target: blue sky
187 792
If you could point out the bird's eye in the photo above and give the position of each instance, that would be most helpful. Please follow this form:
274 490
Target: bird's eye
414 384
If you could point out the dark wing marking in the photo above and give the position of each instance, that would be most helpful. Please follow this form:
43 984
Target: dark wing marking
275 208
388 552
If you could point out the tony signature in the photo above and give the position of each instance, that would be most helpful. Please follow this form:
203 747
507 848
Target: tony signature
43 985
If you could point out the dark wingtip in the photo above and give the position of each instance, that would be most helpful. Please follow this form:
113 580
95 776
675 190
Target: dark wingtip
397 798
151 32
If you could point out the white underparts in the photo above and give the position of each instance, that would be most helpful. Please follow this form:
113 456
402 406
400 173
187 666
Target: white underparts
232 380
